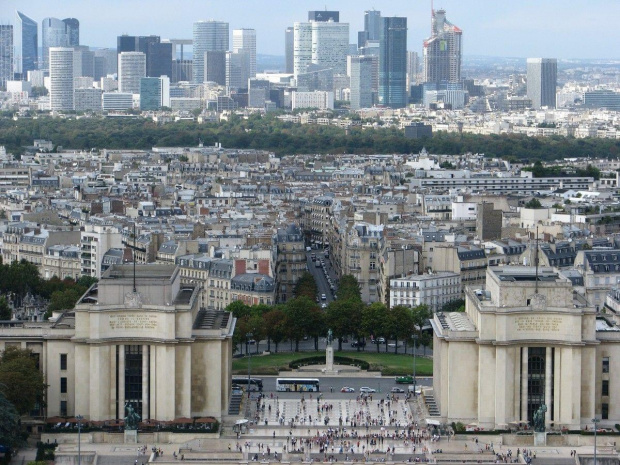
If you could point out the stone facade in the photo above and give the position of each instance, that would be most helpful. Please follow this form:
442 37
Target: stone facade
154 347
524 342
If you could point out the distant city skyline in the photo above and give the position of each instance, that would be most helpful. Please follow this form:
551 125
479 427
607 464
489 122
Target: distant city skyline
528 28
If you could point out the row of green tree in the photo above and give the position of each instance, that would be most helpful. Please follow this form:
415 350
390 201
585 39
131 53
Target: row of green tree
21 278
22 387
540 171
347 316
283 138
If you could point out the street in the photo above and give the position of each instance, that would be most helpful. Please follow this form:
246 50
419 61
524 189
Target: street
380 384
319 274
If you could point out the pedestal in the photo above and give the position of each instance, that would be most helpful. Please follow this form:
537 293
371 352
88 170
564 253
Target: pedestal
131 436
540 439
329 358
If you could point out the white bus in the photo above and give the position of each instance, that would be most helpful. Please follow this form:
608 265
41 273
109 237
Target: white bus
297 385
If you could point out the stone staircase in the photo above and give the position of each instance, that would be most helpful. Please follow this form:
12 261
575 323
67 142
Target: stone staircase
235 403
431 405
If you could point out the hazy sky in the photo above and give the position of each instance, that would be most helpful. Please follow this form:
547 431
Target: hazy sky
548 28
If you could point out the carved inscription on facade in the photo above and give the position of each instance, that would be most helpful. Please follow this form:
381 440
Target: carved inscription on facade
131 322
538 323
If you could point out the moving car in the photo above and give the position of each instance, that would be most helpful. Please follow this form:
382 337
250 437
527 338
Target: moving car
397 390
367 390
379 340
358 344
347 389
323 297
404 379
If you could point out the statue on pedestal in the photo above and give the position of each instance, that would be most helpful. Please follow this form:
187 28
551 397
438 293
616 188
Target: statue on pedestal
539 419
330 337
132 419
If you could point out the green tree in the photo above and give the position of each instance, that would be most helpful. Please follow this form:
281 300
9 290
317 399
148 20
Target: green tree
298 318
5 310
256 325
344 318
317 326
457 305
275 326
374 318
20 379
349 288
306 286
238 309
533 203
419 317
400 321
9 423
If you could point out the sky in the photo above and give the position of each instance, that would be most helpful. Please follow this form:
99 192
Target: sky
521 28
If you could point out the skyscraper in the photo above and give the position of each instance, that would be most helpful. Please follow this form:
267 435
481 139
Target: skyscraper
215 67
324 16
53 34
208 35
330 45
361 81
542 76
289 49
442 50
6 54
131 68
413 64
393 62
26 44
158 54
237 70
72 29
245 39
325 44
61 78
372 27
154 93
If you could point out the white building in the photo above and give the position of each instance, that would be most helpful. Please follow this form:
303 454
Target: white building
330 45
321 43
95 241
61 78
117 101
245 40
360 72
434 290
237 69
208 36
88 99
131 68
318 99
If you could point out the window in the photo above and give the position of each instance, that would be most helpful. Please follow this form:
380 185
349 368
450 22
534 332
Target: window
605 411
63 361
605 390
63 408
605 364
63 385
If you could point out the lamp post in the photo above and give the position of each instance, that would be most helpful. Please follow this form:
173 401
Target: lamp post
79 418
248 336
595 421
415 340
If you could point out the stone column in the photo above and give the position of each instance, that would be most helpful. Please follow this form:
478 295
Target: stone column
524 365
548 376
121 381
145 382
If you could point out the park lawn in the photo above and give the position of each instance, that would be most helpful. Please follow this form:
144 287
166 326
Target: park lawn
388 364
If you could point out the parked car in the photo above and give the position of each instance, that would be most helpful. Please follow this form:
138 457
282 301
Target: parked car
397 390
323 305
367 390
347 389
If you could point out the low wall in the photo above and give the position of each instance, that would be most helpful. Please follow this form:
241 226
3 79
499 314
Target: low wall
101 437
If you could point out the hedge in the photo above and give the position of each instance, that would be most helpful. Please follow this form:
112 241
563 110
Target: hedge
320 360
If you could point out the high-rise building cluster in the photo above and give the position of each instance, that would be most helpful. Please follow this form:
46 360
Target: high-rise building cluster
221 69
